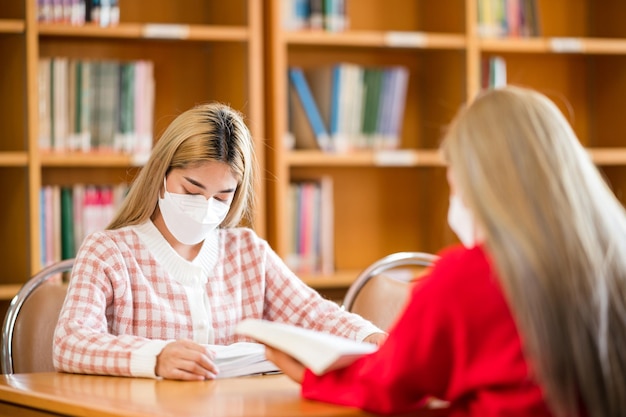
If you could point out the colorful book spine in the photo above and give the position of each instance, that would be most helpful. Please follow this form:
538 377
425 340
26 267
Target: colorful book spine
69 214
311 223
296 75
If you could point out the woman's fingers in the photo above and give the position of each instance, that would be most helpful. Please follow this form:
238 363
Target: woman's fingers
290 367
186 360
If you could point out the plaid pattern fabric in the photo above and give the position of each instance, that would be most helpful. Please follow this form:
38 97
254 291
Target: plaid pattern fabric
120 300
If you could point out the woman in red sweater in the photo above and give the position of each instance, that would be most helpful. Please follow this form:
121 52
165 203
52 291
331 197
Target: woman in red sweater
528 317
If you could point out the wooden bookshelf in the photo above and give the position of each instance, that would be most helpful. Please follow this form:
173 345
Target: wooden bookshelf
384 201
14 150
577 60
397 200
379 202
201 50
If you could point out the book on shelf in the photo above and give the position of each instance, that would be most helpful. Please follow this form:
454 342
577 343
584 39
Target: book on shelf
316 14
348 134
336 16
43 104
493 72
318 351
321 81
311 231
104 112
328 15
497 18
316 135
59 108
241 359
372 81
400 81
78 12
68 249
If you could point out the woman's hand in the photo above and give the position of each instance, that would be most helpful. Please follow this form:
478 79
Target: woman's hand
186 360
290 367
376 338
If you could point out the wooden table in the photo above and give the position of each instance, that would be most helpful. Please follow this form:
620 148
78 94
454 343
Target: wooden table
54 394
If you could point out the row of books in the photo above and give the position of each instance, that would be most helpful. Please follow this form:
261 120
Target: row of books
69 214
508 18
96 106
79 12
328 15
310 220
346 107
493 72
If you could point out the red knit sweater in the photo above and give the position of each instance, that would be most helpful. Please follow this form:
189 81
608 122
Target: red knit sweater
456 341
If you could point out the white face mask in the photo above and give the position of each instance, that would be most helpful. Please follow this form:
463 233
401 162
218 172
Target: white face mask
461 221
190 218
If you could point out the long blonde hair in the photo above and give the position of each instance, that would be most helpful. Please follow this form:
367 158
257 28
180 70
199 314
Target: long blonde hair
557 236
208 132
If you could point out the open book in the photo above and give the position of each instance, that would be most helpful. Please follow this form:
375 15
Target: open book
320 352
241 359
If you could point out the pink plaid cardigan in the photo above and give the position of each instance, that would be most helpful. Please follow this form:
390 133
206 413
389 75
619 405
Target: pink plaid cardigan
130 294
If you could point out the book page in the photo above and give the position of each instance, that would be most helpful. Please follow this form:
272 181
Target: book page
320 352
241 359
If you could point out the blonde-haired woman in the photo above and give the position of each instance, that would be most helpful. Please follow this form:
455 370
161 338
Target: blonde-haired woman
172 274
529 317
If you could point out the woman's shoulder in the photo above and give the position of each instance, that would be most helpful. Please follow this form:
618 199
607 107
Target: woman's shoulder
460 267
465 281
460 257
240 235
111 235
107 241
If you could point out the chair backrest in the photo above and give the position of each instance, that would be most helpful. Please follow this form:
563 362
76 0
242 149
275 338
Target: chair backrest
381 290
30 321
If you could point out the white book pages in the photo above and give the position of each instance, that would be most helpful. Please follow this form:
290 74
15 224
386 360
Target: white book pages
318 351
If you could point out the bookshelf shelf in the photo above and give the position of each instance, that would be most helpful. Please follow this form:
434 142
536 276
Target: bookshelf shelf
149 31
11 26
340 279
95 160
515 45
605 46
378 39
7 292
415 158
608 156
13 159
408 157
554 45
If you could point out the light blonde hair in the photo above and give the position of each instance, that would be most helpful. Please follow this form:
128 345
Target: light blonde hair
557 236
208 132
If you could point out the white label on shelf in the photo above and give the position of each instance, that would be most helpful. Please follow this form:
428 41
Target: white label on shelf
406 39
395 158
565 45
165 31
139 159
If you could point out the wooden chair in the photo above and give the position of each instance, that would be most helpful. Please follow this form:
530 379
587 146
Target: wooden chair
381 290
30 321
